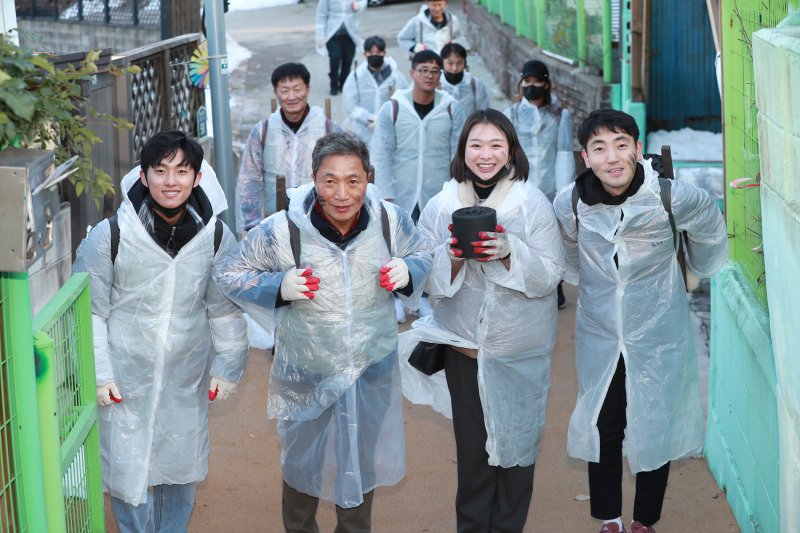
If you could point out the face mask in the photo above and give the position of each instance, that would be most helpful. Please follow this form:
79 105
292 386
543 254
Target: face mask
532 92
502 173
375 61
454 78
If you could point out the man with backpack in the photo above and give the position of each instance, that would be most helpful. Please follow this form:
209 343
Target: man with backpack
637 371
329 266
279 145
166 341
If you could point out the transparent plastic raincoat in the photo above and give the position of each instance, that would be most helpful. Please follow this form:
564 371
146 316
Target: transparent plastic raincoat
639 309
470 92
545 134
420 29
282 153
334 384
331 14
509 316
363 97
412 156
161 328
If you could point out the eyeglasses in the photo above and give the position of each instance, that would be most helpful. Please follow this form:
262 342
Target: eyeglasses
428 71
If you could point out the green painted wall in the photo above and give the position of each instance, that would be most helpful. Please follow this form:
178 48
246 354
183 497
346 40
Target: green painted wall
742 439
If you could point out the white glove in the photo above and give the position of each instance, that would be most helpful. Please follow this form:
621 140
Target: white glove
219 389
455 254
299 284
394 275
108 394
494 245
419 47
692 281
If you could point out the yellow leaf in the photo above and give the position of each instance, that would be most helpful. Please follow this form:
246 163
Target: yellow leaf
3 77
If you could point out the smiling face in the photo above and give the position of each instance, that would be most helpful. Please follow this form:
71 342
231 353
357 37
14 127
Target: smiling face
437 8
612 156
487 151
171 181
341 184
292 95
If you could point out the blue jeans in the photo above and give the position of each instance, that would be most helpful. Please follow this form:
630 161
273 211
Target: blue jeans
167 510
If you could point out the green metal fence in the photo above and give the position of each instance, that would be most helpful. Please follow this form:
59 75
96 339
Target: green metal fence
49 449
740 18
578 30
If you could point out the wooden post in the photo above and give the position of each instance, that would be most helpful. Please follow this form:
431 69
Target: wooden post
280 193
328 107
274 103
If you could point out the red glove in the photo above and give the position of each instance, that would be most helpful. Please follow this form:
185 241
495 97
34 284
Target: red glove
456 254
493 245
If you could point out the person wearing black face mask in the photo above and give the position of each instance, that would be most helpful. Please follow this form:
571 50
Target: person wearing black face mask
468 90
545 132
368 86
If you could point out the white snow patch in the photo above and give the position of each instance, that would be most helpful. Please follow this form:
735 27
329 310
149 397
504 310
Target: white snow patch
247 5
237 54
687 144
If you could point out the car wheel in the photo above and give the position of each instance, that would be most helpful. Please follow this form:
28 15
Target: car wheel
375 3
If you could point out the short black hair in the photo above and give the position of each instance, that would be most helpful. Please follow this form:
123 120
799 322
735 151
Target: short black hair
289 71
516 154
426 56
165 144
374 41
607 119
454 48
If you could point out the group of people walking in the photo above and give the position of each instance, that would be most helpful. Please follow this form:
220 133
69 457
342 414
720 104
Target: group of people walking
170 284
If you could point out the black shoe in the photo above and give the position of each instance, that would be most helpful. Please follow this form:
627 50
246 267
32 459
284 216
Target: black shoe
334 91
562 302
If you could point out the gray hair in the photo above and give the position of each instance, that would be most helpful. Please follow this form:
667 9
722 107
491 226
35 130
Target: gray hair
339 143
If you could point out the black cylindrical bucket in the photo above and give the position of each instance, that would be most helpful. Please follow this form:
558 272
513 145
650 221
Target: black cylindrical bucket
468 222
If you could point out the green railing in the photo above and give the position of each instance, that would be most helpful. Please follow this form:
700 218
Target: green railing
577 30
49 449
65 323
740 18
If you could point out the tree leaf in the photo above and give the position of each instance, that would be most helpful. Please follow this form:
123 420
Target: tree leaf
21 104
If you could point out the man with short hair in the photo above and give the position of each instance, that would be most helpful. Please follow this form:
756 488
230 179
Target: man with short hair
279 145
416 137
430 29
165 338
369 86
337 36
637 371
329 266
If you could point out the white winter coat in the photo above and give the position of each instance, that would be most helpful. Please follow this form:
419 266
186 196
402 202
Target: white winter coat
161 325
331 14
545 134
470 93
412 156
509 316
334 384
363 97
419 29
639 309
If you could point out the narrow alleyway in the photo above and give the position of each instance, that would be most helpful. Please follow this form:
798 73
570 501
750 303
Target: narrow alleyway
243 489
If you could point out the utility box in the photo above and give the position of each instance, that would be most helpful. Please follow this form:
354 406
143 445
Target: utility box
35 234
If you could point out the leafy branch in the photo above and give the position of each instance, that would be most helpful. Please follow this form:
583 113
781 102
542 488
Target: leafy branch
42 106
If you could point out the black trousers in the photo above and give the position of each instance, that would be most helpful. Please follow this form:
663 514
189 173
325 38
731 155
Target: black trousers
605 477
341 50
300 509
489 499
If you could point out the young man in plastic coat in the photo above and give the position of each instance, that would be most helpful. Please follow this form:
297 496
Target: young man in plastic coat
430 29
636 365
335 384
279 145
337 36
416 137
468 90
165 338
369 86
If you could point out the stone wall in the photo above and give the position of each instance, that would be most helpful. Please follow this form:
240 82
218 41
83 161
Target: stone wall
70 37
504 54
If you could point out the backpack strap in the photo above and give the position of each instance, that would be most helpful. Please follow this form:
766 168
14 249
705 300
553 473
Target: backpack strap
395 110
474 86
264 134
387 232
294 240
575 196
217 235
113 223
666 199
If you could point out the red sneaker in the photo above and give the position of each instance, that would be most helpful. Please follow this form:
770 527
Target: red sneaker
612 528
638 527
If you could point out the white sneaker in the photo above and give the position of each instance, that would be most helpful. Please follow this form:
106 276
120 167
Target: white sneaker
399 310
424 307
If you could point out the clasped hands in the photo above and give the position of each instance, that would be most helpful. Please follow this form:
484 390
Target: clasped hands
493 245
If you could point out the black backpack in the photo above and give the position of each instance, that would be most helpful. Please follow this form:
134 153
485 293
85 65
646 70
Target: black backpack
114 225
